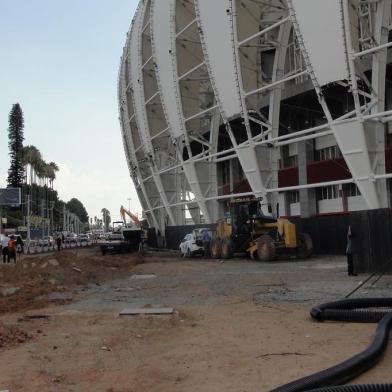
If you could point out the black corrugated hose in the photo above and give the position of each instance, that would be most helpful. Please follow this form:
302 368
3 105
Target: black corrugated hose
357 388
350 310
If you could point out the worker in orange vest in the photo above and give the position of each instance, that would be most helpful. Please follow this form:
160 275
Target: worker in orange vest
12 249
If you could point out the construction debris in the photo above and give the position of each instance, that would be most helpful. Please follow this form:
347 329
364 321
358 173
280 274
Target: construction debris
12 335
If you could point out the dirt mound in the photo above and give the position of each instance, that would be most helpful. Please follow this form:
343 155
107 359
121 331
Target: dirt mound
27 284
12 335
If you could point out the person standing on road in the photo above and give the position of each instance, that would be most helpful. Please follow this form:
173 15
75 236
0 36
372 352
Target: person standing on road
4 248
349 253
59 241
12 249
206 243
19 246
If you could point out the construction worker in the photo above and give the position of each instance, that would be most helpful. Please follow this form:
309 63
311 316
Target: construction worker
4 248
19 246
59 241
206 238
12 249
349 254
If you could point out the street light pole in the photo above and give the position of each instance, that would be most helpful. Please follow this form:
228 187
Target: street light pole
129 203
28 221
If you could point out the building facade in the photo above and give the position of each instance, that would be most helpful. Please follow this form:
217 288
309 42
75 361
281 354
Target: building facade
289 101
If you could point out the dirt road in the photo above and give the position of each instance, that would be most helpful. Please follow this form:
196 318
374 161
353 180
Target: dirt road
238 326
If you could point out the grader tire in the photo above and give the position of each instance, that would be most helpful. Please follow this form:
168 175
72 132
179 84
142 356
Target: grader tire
227 248
253 255
216 248
305 246
265 248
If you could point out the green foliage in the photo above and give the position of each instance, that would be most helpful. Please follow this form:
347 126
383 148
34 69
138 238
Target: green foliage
106 218
75 206
46 172
15 144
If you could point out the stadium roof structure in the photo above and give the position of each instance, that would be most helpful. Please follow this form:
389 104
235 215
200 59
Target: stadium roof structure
204 84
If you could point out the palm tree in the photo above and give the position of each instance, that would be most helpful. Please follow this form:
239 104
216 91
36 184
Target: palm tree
31 159
41 171
106 218
52 170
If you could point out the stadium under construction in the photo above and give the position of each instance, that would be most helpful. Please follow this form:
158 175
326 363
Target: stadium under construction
289 101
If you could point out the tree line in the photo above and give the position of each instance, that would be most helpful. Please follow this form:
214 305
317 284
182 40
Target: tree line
30 172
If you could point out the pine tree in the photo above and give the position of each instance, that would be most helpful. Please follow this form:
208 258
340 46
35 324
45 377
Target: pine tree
15 144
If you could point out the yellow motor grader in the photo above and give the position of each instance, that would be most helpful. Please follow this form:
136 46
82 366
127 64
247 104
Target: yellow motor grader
247 229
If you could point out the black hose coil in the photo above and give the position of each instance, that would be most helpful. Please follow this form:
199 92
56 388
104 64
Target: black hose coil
357 388
351 310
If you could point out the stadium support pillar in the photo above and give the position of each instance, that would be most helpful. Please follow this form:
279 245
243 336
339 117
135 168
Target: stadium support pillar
307 197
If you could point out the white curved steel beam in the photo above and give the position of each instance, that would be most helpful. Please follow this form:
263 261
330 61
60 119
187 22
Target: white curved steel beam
124 115
383 16
164 53
275 103
221 58
136 62
320 22
350 136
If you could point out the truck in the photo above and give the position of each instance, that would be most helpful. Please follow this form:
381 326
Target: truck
128 241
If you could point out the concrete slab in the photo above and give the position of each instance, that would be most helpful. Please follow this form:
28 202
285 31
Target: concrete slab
143 276
136 311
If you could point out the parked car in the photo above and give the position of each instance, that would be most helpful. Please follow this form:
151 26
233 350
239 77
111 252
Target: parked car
71 238
46 241
83 238
192 244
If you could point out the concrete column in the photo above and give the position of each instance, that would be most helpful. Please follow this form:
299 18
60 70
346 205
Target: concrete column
307 197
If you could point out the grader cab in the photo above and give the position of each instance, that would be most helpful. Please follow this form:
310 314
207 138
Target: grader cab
247 229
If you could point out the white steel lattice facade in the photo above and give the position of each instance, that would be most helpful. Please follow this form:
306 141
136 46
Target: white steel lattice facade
286 100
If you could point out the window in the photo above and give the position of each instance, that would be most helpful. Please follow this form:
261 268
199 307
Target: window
293 197
225 172
292 161
328 192
327 153
351 190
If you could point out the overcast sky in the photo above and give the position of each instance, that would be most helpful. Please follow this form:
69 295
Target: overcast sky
59 60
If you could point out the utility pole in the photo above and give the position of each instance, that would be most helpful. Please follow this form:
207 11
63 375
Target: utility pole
43 217
28 221
52 216
64 218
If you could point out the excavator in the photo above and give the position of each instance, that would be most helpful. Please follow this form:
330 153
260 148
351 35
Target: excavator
137 223
131 238
133 217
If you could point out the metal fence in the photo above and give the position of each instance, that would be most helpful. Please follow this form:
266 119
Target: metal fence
372 240
329 233
35 248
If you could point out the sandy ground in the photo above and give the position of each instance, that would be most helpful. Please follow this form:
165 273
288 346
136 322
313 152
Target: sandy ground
238 326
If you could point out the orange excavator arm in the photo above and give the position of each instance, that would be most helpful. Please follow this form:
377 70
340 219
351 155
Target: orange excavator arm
133 217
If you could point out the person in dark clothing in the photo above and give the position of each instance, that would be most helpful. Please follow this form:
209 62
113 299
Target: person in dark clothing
19 246
206 243
349 254
58 242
